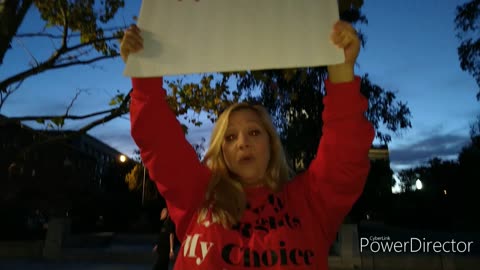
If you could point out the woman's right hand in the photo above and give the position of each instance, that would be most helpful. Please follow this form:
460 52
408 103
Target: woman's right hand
132 42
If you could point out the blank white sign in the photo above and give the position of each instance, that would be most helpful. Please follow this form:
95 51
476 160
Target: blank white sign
203 36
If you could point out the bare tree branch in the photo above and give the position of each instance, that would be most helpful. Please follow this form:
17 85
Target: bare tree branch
6 94
27 51
50 117
73 101
75 56
53 36
50 63
113 113
66 115
84 62
78 46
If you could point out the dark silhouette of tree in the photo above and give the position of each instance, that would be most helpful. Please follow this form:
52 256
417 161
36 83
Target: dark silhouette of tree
12 13
467 24
467 182
432 206
376 200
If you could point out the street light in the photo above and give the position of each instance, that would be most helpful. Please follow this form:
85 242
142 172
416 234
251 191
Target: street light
419 184
122 158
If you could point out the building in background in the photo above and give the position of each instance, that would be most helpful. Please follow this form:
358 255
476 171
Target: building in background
30 153
379 152
57 172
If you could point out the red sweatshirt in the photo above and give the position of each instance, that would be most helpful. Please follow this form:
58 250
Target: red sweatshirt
291 229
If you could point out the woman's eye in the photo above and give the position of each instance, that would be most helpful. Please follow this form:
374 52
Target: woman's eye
255 132
229 138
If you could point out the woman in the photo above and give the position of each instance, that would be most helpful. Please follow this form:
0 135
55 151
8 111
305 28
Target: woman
240 208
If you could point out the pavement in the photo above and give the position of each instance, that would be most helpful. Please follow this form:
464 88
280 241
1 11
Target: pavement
97 252
49 265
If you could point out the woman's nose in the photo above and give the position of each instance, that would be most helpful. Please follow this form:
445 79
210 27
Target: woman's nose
243 141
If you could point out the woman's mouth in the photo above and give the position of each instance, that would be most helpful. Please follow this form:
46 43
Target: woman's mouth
246 159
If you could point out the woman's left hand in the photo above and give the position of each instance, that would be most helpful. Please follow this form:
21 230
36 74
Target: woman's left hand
344 36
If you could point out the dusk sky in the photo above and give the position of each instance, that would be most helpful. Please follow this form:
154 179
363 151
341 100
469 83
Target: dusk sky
411 49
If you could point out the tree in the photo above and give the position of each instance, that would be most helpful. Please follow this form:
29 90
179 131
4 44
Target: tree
375 200
12 13
467 24
432 206
80 37
138 180
475 130
133 178
136 177
408 177
466 183
294 98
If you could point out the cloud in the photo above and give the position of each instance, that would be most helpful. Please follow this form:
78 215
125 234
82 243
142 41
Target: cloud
446 146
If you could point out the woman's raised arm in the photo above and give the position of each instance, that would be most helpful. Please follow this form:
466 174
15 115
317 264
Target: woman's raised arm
170 159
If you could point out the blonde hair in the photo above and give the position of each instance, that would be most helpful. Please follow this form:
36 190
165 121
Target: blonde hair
225 196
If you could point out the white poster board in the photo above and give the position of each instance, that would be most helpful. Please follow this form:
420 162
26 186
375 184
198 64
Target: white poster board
202 36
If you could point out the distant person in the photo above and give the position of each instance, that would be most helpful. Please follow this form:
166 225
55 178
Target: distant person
242 207
164 246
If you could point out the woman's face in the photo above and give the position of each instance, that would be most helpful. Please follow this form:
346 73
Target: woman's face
246 147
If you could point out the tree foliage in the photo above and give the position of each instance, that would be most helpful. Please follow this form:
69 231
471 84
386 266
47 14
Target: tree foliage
138 174
467 24
294 98
134 177
375 200
80 36
280 89
449 186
